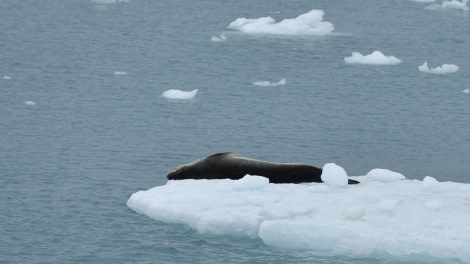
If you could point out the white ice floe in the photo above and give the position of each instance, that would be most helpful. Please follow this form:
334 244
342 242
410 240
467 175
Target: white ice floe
401 217
29 103
375 57
179 95
310 23
120 73
454 4
220 38
267 83
6 77
444 69
466 91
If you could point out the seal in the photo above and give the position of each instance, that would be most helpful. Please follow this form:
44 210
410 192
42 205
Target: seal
229 165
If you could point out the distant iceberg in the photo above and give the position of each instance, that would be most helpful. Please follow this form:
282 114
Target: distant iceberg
179 95
444 69
309 23
384 214
375 57
267 83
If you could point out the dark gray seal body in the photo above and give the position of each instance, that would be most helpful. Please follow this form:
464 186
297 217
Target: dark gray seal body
233 166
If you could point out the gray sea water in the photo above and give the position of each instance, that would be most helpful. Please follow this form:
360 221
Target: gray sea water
83 124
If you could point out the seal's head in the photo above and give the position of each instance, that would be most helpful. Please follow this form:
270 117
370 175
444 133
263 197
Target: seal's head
176 173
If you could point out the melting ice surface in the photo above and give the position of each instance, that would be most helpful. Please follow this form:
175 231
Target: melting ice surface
309 23
384 215
267 83
179 95
376 57
444 69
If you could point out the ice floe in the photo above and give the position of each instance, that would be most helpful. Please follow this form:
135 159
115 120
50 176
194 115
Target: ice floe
385 214
454 4
267 83
220 38
376 57
310 23
179 95
444 69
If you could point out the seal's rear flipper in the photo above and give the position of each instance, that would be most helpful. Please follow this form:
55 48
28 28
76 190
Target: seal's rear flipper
353 181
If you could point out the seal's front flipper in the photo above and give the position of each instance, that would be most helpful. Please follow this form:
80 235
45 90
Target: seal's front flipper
353 181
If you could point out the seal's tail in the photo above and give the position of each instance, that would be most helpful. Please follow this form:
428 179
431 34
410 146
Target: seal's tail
353 181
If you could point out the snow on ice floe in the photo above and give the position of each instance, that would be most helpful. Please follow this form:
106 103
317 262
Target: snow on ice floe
117 73
454 4
444 69
29 103
310 23
334 175
6 77
384 175
179 95
376 57
466 91
267 83
221 38
397 217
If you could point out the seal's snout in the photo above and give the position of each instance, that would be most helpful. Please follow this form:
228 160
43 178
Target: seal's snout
173 174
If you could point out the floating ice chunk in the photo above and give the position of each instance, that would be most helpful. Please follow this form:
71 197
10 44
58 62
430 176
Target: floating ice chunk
334 175
6 77
120 73
375 57
444 69
454 4
179 95
309 23
466 91
354 212
384 175
220 38
29 103
267 83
